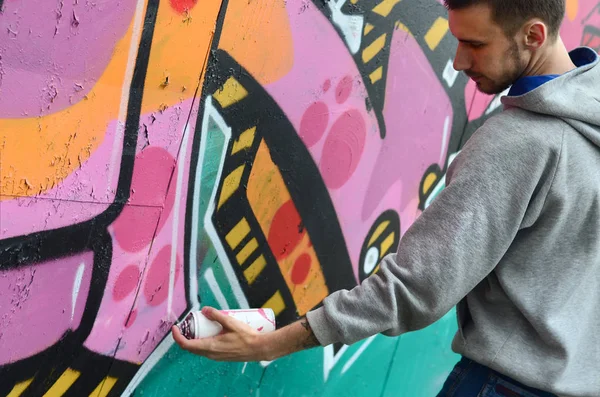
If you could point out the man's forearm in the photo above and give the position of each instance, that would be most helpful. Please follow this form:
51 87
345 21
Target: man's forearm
291 339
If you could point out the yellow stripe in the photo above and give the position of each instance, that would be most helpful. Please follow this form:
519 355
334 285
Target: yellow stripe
104 387
429 181
386 244
378 232
376 75
385 7
231 92
244 141
20 388
275 303
230 184
436 33
368 28
400 25
255 269
63 383
238 233
247 251
373 48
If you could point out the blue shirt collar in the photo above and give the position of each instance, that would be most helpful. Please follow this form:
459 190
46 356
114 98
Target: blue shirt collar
580 56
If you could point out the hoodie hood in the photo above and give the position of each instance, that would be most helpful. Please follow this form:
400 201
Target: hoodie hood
573 97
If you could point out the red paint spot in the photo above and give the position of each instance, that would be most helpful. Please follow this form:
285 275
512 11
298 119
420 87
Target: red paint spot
156 288
326 85
183 5
314 122
126 282
260 329
286 230
343 149
134 228
301 269
343 89
131 318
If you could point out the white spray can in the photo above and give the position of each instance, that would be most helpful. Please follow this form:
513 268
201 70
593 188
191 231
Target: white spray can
196 325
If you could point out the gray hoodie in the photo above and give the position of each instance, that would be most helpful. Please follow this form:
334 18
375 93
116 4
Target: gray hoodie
514 241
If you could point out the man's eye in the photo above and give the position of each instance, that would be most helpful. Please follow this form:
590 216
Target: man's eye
476 45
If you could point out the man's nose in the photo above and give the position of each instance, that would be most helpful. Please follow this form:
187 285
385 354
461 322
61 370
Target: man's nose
462 61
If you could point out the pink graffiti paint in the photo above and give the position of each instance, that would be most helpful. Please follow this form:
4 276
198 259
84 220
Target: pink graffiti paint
314 123
572 31
40 302
330 76
52 57
343 149
132 335
476 102
151 177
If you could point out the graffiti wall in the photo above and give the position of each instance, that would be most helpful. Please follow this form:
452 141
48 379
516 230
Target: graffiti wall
158 156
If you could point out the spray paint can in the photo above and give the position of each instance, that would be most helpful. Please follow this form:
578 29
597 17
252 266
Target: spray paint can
196 325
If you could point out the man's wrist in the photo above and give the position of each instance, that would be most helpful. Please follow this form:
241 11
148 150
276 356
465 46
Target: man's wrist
293 338
310 340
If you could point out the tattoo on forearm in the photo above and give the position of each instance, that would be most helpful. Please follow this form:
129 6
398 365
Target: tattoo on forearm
311 340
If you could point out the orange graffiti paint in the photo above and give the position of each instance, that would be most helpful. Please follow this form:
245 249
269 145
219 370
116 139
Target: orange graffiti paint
253 31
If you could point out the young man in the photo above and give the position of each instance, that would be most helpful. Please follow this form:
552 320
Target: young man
514 239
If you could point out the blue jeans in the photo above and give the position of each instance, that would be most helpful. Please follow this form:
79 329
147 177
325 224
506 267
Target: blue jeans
470 379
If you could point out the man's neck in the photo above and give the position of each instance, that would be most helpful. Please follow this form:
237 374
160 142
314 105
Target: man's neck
554 59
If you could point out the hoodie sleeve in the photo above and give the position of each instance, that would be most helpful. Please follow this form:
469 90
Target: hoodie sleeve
453 245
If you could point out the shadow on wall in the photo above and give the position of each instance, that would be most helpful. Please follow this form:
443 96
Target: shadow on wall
158 156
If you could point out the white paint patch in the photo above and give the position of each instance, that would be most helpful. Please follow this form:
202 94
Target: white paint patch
357 354
209 276
371 260
133 49
176 207
450 74
445 138
76 288
496 103
330 359
350 25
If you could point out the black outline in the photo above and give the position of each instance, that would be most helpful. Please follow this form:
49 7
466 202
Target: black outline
423 195
394 219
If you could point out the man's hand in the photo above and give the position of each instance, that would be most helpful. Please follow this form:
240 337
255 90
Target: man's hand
241 343
238 342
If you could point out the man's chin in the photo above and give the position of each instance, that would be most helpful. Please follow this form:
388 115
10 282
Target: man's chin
485 89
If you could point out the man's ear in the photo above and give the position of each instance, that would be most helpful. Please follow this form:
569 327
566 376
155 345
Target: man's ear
535 34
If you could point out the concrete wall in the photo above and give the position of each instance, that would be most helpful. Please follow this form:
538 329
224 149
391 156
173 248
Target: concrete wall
157 156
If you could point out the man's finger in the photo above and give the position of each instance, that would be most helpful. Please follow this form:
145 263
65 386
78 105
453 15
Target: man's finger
226 321
197 346
181 340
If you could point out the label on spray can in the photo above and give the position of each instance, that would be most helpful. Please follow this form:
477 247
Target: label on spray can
196 325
